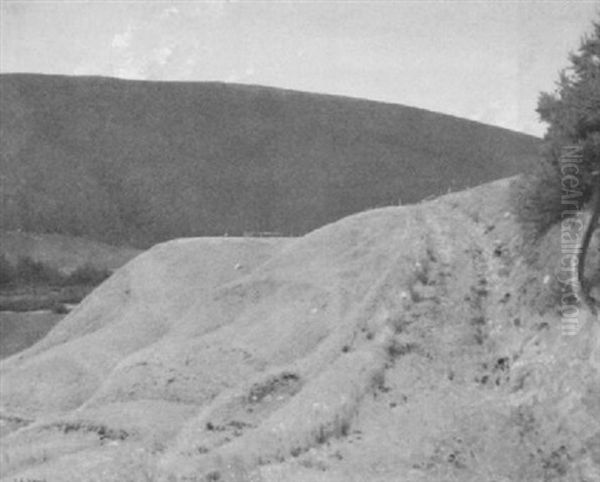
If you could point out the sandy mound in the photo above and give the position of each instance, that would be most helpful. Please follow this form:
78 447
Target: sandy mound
404 343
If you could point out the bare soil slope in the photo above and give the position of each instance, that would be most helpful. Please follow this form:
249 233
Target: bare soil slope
403 343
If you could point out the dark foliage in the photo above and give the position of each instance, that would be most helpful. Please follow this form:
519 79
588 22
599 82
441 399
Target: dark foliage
568 180
29 272
32 285
537 199
573 116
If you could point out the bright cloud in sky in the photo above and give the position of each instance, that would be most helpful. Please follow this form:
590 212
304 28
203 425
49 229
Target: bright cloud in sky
122 40
162 54
486 61
170 11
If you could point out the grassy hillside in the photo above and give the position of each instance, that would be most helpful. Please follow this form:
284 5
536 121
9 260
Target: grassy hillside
140 162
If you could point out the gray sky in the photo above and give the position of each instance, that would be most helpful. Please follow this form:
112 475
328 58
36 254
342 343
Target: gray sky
485 60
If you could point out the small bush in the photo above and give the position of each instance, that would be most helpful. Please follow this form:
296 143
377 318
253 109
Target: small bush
59 309
537 200
32 273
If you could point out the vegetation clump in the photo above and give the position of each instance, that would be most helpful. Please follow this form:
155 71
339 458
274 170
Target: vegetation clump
572 113
29 272
567 181
30 285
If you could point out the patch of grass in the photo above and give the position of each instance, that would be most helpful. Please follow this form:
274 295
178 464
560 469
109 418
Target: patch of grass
398 349
286 381
60 309
102 431
29 272
31 285
213 476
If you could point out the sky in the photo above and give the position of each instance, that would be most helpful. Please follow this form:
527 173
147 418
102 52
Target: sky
481 60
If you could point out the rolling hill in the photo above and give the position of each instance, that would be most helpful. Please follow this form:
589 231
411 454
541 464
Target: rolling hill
136 162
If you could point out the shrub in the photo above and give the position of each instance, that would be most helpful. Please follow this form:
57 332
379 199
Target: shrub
31 272
537 200
59 308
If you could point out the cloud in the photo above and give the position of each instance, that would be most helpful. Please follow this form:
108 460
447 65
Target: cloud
169 12
500 112
159 44
162 54
122 40
214 10
241 75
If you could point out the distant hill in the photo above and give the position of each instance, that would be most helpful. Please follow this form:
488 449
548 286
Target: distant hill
139 162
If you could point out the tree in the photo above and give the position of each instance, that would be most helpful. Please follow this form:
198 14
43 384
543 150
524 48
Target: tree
573 116
573 111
